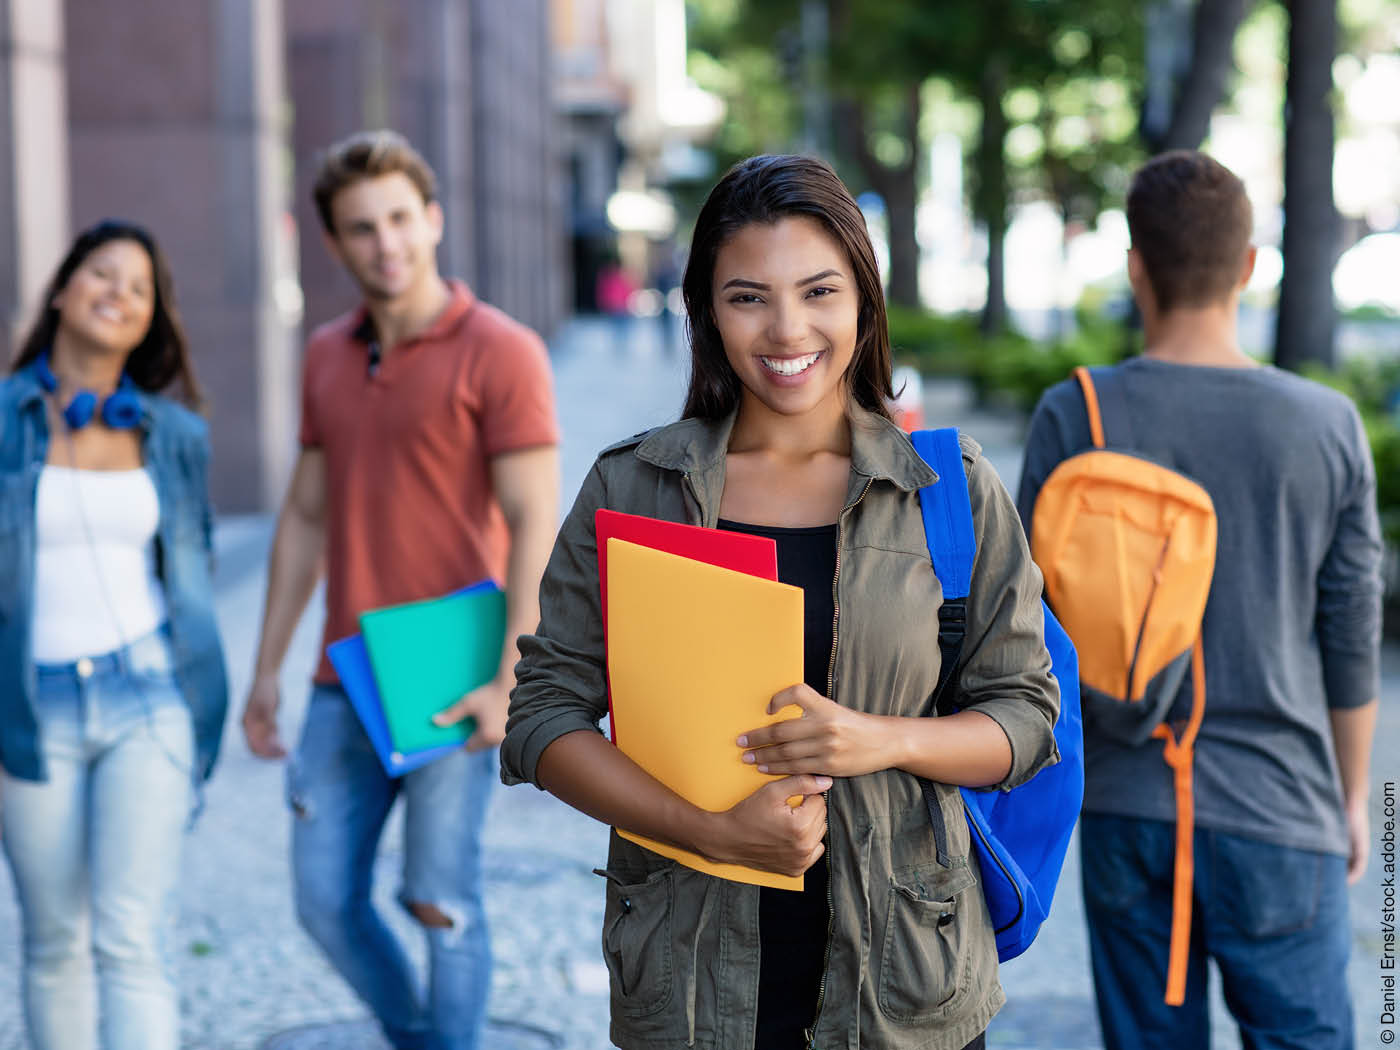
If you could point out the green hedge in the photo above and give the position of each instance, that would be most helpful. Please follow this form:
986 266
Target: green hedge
1013 370
1375 387
1007 368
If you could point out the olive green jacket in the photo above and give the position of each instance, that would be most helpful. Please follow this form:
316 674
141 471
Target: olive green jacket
912 957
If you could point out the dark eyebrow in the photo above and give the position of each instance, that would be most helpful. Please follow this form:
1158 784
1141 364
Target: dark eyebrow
740 282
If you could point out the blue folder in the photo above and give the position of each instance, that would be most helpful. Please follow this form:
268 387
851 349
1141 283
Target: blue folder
350 659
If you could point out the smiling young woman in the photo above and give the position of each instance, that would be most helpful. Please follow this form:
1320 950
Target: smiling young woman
112 683
785 434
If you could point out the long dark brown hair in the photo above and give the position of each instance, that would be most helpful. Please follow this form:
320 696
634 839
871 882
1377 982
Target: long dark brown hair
163 356
764 190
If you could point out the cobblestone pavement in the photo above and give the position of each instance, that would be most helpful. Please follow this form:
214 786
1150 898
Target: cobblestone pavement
249 979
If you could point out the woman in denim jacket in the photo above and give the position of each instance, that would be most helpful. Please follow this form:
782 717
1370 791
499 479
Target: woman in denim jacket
112 683
785 434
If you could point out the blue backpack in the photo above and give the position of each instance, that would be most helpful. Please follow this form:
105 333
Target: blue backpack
1020 836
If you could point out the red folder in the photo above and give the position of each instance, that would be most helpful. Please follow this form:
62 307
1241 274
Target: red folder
740 551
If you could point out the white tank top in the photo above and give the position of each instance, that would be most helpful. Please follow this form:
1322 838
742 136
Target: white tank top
95 584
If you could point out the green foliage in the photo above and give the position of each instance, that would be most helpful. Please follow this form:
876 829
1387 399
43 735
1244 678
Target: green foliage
1007 368
735 61
1011 369
933 343
1375 388
1370 312
1053 85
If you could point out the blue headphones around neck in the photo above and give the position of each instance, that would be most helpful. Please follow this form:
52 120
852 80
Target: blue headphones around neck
121 409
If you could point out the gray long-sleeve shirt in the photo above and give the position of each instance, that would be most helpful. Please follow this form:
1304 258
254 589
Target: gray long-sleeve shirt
1292 625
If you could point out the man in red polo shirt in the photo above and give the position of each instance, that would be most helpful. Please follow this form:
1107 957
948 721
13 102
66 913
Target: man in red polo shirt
428 462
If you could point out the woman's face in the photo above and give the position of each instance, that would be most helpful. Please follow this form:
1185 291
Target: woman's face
786 305
110 299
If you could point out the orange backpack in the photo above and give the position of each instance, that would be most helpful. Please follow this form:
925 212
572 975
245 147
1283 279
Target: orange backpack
1127 547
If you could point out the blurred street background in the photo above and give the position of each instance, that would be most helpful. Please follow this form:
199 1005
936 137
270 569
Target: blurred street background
989 143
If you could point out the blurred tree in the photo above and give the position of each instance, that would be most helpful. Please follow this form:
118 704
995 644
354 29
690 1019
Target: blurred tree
881 52
1187 72
1306 322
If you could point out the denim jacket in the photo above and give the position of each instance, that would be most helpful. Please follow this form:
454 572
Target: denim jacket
175 448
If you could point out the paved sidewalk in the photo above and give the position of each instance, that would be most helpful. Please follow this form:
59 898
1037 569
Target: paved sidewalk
250 979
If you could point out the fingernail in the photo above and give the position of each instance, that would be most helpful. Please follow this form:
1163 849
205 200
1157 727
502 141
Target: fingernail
437 720
823 782
763 769
743 741
749 757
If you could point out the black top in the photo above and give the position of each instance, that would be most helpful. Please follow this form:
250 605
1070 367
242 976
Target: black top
792 927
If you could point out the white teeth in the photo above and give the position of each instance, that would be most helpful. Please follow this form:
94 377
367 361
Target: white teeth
789 366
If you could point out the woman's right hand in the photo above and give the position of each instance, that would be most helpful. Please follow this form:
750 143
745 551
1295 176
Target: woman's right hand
765 831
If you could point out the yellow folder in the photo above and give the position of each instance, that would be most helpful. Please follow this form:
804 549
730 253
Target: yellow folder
695 652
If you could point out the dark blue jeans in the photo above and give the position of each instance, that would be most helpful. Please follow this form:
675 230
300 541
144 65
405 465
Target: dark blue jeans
1274 920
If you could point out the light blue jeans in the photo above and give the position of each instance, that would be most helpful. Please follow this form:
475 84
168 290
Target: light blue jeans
340 797
95 851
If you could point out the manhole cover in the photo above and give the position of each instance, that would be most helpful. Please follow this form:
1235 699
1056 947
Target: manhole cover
365 1035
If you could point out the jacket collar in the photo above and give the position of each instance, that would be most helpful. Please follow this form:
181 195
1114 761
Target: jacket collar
26 382
879 449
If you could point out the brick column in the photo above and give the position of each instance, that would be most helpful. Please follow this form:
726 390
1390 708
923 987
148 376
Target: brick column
469 83
176 122
358 64
33 160
520 247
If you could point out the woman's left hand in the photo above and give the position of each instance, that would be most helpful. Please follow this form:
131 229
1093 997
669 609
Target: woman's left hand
827 739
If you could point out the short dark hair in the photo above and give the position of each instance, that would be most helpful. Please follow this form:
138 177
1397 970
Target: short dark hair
368 155
1190 222
763 190
163 355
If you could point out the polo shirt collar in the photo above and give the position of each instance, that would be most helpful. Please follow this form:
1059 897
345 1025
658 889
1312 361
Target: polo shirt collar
461 301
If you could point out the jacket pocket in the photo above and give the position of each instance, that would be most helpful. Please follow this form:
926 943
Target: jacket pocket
926 962
637 942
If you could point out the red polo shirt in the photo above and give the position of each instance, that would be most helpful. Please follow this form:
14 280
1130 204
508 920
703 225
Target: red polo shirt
410 512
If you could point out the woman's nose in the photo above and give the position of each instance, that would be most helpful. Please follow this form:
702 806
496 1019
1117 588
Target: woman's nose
787 326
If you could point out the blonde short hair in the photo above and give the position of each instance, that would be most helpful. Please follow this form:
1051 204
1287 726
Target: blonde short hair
368 155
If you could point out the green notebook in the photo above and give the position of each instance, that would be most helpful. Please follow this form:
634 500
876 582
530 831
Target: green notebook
426 655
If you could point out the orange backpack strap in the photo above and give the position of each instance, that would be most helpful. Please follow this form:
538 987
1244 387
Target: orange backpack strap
1178 752
1091 404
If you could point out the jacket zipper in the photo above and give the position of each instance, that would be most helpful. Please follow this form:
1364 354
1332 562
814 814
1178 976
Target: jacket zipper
811 1033
1142 627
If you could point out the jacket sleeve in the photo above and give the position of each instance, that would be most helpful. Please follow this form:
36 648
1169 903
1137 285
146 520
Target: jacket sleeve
201 482
1005 665
561 681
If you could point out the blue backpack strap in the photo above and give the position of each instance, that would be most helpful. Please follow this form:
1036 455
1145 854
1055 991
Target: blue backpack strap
952 547
952 543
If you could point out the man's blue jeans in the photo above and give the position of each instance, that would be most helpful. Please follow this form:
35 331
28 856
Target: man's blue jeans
341 797
1273 918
